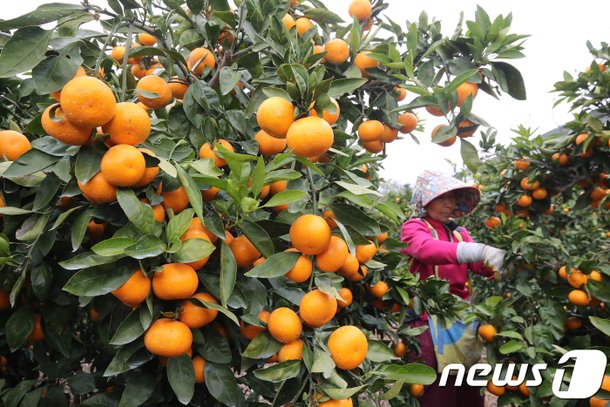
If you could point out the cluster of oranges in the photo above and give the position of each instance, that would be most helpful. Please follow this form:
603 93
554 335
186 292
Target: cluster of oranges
578 280
374 134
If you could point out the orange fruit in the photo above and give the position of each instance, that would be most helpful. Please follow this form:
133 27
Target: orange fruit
524 390
401 93
434 111
130 124
408 121
157 85
267 145
330 217
562 158
370 130
601 67
331 118
168 338
199 58
334 256
147 39
379 289
466 128
487 332
87 102
348 347
347 296
389 134
495 390
134 291
284 325
175 281
365 252
209 194
310 234
337 51
196 234
466 89
251 331
288 21
150 173
98 190
275 116
178 87
139 71
4 300
493 222
400 349
364 62
310 137
206 151
318 49
159 213
244 251
196 224
301 271
446 143
176 200
337 403
595 276
317 308
572 324
540 194
374 147
199 366
118 52
577 279
155 69
361 9
581 138
522 164
291 351
350 266
381 237
524 200
529 186
79 72
60 128
278 186
13 144
303 25
37 333
416 390
195 315
123 165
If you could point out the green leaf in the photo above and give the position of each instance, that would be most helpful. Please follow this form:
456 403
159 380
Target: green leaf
322 16
11 210
228 79
139 388
258 237
79 227
280 372
19 325
341 394
29 163
82 383
88 163
113 246
178 225
84 260
181 377
601 324
228 273
357 189
192 191
284 197
193 250
129 330
147 246
23 51
263 346
215 347
511 347
221 383
45 13
275 266
412 373
322 362
379 352
469 155
352 216
54 72
341 86
95 281
138 213
220 309
510 80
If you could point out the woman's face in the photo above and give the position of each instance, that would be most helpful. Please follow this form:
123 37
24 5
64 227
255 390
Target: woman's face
441 208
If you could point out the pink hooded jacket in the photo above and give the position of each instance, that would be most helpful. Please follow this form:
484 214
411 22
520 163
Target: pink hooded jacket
427 252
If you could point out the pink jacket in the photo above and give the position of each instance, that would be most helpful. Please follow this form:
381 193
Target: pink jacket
428 252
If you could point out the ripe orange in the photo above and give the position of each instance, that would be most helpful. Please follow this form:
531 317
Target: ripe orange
155 69
495 390
13 144
522 164
361 9
581 138
400 349
365 252
37 333
434 111
389 134
348 347
337 403
303 25
178 87
577 279
130 125
138 70
60 128
524 390
288 21
209 194
310 137
562 158
401 93
466 89
337 51
540 194
301 271
347 296
291 351
87 102
175 281
176 200
278 186
466 128
275 116
572 324
563 273
317 308
524 200
416 390
123 165
118 52
251 331
529 186
147 39
284 325
98 190
267 145
4 300
370 130
493 222
150 173
331 118
446 143
196 316
310 234
374 147
199 366
79 72
408 122
334 256
595 276
135 290
154 84
206 151
487 332
318 49
364 62
196 224
350 266
244 251
199 58
168 338
379 289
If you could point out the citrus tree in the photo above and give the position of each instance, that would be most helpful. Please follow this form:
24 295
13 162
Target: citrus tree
189 197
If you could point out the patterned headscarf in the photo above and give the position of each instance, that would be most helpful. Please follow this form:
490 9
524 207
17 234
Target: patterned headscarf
432 184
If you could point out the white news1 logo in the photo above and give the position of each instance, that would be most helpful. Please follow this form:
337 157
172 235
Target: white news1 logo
586 379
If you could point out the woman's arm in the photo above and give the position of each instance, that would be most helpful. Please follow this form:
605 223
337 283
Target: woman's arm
422 245
477 268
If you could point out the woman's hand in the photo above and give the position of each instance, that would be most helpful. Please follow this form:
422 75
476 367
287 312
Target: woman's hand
492 257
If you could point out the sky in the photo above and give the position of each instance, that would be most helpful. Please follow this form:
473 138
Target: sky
557 43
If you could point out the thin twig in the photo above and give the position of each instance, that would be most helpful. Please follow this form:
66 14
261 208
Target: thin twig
225 61
313 191
124 62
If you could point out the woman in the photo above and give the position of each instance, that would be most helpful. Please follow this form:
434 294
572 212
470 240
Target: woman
438 246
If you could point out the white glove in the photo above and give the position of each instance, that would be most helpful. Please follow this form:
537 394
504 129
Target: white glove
492 257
